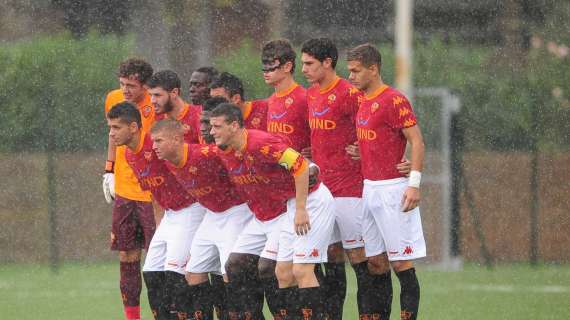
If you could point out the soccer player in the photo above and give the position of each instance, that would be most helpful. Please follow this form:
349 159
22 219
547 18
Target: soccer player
293 222
165 95
333 103
200 85
392 224
230 87
201 173
169 250
133 219
287 106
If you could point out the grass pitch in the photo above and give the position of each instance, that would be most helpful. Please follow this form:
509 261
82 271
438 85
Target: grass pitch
90 291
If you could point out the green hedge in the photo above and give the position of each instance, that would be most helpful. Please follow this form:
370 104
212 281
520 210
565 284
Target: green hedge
73 75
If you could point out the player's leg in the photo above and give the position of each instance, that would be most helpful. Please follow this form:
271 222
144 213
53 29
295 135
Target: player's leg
127 238
334 280
182 226
403 238
242 270
307 250
267 263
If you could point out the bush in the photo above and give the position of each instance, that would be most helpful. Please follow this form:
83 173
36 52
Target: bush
63 75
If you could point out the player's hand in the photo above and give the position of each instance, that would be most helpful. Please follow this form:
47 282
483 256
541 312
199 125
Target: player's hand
404 167
314 172
353 151
109 186
302 224
411 199
306 153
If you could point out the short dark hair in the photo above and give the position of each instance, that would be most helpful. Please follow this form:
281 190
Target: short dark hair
170 125
166 79
211 72
230 111
366 54
321 49
211 103
279 49
228 81
126 112
136 67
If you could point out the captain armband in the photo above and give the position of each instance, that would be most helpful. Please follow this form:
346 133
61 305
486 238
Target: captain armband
292 161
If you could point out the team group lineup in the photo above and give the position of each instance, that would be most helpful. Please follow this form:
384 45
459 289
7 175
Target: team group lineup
241 202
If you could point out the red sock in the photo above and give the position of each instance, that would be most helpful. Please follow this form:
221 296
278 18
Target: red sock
131 286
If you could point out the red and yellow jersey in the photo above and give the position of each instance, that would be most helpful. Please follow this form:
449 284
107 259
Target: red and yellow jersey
379 124
263 172
126 183
332 114
190 120
287 115
203 175
255 115
154 176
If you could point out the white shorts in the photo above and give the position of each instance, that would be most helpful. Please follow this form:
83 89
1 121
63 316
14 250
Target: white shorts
312 247
260 238
169 248
216 237
386 227
348 222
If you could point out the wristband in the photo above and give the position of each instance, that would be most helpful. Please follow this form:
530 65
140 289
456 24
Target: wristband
415 179
109 166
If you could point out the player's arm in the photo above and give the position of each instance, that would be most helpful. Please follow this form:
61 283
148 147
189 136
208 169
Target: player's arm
299 168
158 212
109 175
412 194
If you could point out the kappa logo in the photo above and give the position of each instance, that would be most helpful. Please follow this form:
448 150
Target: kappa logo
409 123
321 113
404 112
314 253
192 170
406 315
408 250
374 107
397 100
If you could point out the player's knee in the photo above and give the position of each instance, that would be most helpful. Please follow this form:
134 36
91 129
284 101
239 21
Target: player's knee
232 265
303 271
378 264
194 279
402 265
130 256
266 268
284 274
335 253
356 255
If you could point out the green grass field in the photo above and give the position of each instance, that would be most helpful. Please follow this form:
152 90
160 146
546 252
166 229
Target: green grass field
81 291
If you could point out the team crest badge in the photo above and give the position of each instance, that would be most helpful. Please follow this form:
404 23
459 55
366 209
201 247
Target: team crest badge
238 155
148 155
192 170
186 128
332 97
288 102
375 106
146 110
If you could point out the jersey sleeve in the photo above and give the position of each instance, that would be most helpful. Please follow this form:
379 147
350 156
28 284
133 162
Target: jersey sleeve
401 115
277 150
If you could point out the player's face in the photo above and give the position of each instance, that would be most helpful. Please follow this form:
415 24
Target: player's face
164 145
199 90
222 131
120 132
162 99
222 92
206 127
133 90
360 76
275 72
312 69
